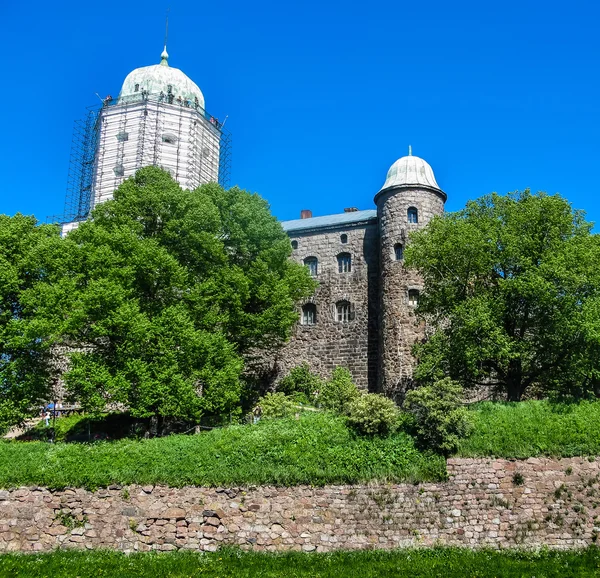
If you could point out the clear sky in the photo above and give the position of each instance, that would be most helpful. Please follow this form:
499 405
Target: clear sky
323 96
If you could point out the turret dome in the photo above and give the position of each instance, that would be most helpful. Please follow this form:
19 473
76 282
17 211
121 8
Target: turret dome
158 78
410 171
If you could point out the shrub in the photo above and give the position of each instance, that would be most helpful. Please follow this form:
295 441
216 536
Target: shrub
440 421
373 414
275 405
301 384
339 392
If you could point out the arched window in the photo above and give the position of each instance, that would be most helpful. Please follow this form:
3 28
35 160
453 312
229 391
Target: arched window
136 88
169 138
294 244
413 297
309 314
342 311
312 263
344 238
344 262
413 215
398 251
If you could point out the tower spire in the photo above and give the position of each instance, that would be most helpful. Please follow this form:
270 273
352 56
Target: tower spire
409 151
164 57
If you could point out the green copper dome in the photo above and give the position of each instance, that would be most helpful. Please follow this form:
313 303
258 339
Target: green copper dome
158 78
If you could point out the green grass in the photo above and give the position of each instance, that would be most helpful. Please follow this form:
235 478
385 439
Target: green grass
533 428
435 563
317 449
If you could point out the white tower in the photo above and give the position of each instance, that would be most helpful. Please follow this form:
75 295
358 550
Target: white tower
158 119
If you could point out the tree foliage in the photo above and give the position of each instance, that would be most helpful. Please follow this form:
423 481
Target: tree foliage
338 392
25 340
512 291
163 291
301 384
440 418
373 414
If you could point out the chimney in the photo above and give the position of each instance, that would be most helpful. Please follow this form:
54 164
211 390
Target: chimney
350 210
305 214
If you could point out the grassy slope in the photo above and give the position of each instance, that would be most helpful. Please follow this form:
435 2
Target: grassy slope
533 428
317 449
442 563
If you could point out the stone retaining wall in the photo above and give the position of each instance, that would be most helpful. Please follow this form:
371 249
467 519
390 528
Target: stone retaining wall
494 503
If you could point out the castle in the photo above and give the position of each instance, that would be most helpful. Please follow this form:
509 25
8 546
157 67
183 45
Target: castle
361 315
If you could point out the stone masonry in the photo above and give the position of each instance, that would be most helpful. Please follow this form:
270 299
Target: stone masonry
485 503
376 342
329 343
399 328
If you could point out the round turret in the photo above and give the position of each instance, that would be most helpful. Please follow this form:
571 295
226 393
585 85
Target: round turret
408 200
160 78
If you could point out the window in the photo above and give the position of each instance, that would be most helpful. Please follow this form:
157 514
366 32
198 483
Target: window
119 170
344 262
413 215
312 263
342 311
136 88
309 314
123 136
169 138
398 251
413 297
294 244
344 238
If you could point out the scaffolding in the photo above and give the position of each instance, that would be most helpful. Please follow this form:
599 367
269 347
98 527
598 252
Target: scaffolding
81 168
88 153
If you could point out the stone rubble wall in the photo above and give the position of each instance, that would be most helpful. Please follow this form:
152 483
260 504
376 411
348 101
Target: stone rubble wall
485 503
329 343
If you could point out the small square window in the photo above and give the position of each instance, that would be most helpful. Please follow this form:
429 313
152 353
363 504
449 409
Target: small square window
344 238
312 263
309 314
344 263
398 251
413 297
342 311
123 136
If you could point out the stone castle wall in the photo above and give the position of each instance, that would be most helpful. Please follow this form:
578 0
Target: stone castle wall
330 343
485 503
399 329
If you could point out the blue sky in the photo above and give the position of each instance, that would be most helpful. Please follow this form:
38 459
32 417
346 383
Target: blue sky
323 97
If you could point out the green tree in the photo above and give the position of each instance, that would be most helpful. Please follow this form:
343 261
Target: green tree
27 251
165 291
512 291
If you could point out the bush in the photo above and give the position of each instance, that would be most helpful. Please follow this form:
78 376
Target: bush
373 414
301 384
440 419
276 405
339 392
